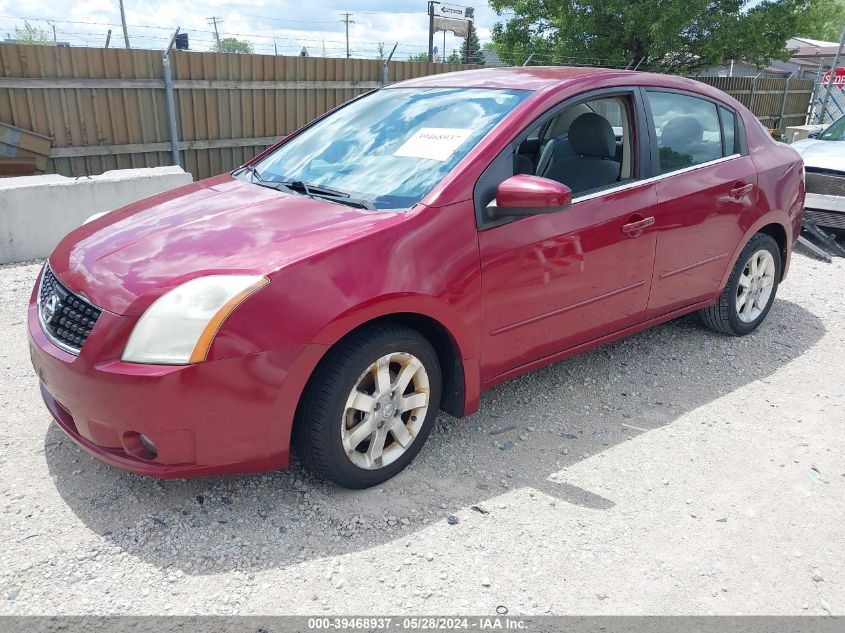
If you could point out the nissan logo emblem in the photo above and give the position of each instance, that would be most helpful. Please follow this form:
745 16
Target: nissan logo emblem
49 308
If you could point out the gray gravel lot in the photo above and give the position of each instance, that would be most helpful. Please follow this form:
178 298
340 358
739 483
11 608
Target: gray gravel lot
675 472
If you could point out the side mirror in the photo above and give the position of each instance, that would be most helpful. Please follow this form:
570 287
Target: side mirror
524 194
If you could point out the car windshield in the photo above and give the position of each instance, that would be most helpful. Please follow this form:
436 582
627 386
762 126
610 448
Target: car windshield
836 131
390 148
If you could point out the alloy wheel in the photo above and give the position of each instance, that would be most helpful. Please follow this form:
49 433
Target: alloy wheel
755 286
385 410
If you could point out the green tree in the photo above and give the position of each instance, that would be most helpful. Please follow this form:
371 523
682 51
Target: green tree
29 34
475 54
666 35
455 58
380 48
824 23
418 57
232 45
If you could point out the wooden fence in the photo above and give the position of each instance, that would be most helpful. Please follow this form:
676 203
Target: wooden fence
777 102
106 108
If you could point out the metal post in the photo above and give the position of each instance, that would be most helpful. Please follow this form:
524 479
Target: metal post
785 96
753 88
171 103
832 75
431 30
123 21
468 41
108 38
384 72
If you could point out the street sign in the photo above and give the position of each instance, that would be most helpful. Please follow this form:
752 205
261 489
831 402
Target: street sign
454 11
838 79
459 27
448 17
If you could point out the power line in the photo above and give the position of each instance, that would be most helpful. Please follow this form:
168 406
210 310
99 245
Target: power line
217 33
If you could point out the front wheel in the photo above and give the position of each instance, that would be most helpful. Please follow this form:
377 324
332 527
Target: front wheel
370 406
750 291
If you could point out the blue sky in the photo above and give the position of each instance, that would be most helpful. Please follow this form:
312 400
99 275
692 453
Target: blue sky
291 25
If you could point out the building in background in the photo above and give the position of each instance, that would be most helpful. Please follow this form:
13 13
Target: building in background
810 58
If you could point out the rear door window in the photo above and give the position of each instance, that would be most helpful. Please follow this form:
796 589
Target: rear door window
689 131
729 131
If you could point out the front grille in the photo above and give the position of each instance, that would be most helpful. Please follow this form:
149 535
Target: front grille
65 317
825 182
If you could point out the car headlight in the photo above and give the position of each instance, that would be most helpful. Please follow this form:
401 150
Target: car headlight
179 327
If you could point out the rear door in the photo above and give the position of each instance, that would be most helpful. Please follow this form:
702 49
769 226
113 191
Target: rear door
705 182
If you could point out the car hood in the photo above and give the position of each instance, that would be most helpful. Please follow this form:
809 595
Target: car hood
126 259
821 154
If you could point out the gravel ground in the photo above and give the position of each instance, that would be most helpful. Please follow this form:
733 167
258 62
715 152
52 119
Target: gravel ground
675 472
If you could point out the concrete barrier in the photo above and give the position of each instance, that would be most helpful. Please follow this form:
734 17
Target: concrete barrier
36 212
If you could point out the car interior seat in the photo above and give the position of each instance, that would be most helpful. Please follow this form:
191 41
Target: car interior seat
685 135
593 166
558 147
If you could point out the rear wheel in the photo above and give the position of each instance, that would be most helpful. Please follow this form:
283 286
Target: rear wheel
370 406
750 291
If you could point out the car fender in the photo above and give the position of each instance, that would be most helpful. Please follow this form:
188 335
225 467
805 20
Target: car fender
467 341
301 370
400 303
781 218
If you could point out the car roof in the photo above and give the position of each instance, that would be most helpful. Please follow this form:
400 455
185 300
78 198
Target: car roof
515 78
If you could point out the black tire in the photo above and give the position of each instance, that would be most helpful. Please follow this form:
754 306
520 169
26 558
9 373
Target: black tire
321 410
723 316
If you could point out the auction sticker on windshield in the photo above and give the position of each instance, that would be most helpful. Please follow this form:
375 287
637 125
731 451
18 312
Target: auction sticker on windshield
435 143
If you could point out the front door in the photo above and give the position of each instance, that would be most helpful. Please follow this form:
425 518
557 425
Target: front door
553 281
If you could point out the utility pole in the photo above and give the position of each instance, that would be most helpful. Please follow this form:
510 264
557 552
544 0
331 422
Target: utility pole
431 30
123 22
832 76
214 20
347 21
55 39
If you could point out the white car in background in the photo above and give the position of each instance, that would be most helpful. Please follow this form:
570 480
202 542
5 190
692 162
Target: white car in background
824 160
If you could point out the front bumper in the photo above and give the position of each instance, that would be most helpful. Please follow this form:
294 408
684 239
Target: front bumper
825 210
219 417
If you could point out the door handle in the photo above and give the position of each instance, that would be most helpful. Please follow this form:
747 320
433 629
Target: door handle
740 189
635 228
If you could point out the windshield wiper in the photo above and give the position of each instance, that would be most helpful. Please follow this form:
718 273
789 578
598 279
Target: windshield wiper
257 179
319 191
310 190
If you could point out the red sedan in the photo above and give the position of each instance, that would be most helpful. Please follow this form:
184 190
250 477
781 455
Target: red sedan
400 255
